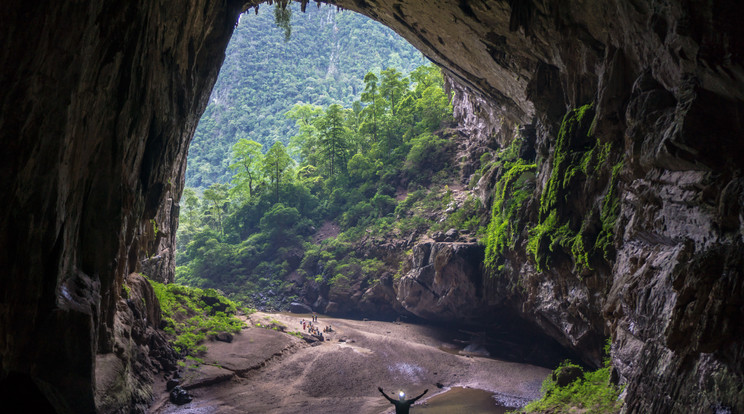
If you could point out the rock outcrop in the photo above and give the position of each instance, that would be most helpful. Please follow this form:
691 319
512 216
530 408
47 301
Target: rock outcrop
99 102
445 282
125 375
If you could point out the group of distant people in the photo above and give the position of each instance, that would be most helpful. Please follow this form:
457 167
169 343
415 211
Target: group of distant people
313 329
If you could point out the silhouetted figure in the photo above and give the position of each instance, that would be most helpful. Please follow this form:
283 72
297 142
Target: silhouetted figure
402 405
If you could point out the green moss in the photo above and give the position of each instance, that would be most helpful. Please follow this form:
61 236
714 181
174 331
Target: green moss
572 124
513 188
579 162
190 320
127 291
546 237
609 214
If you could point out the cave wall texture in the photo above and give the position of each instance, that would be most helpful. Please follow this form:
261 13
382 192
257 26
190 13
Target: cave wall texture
100 99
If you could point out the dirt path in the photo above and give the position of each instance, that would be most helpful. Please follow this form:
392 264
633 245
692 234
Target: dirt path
265 371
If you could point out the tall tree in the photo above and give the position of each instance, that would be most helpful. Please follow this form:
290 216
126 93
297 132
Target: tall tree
276 162
333 139
371 113
247 159
303 145
217 198
393 86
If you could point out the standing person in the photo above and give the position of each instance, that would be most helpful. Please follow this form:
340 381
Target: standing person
402 406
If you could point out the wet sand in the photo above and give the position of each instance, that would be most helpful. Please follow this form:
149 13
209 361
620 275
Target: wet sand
266 371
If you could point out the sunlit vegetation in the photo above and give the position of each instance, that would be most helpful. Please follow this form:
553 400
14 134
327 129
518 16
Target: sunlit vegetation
591 392
191 315
279 57
364 167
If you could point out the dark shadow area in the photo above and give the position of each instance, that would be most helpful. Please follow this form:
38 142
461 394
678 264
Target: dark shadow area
505 337
18 390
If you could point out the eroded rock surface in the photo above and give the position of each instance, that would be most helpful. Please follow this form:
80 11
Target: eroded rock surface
444 283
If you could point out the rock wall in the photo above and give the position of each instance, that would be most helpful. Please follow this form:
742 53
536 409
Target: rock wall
99 102
444 283
665 84
124 376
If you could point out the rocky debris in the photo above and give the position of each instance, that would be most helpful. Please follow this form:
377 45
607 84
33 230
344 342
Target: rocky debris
180 396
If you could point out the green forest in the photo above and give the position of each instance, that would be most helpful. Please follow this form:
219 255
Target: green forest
279 57
365 167
325 131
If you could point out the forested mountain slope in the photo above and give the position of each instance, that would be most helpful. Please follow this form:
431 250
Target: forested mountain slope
372 172
265 72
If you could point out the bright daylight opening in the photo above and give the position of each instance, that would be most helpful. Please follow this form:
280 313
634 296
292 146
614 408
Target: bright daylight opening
323 169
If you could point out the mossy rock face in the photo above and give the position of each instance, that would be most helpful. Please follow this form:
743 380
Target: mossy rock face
571 221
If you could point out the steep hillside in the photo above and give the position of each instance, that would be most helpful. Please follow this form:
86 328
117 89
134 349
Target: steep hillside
377 170
322 61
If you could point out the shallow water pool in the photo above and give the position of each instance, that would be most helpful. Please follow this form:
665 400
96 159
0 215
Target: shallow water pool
460 400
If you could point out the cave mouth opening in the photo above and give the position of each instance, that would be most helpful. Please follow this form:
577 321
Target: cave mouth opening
505 336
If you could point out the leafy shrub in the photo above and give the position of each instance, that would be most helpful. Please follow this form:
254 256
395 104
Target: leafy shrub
383 204
594 393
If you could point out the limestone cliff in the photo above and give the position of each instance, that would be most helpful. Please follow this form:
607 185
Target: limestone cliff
99 101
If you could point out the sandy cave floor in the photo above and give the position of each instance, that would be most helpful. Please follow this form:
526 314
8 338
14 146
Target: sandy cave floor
266 371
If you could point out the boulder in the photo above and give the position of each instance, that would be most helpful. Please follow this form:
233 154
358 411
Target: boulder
451 235
172 383
180 396
438 236
567 374
298 307
332 307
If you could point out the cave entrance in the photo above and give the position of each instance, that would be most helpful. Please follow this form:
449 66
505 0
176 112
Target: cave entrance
283 71
276 60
